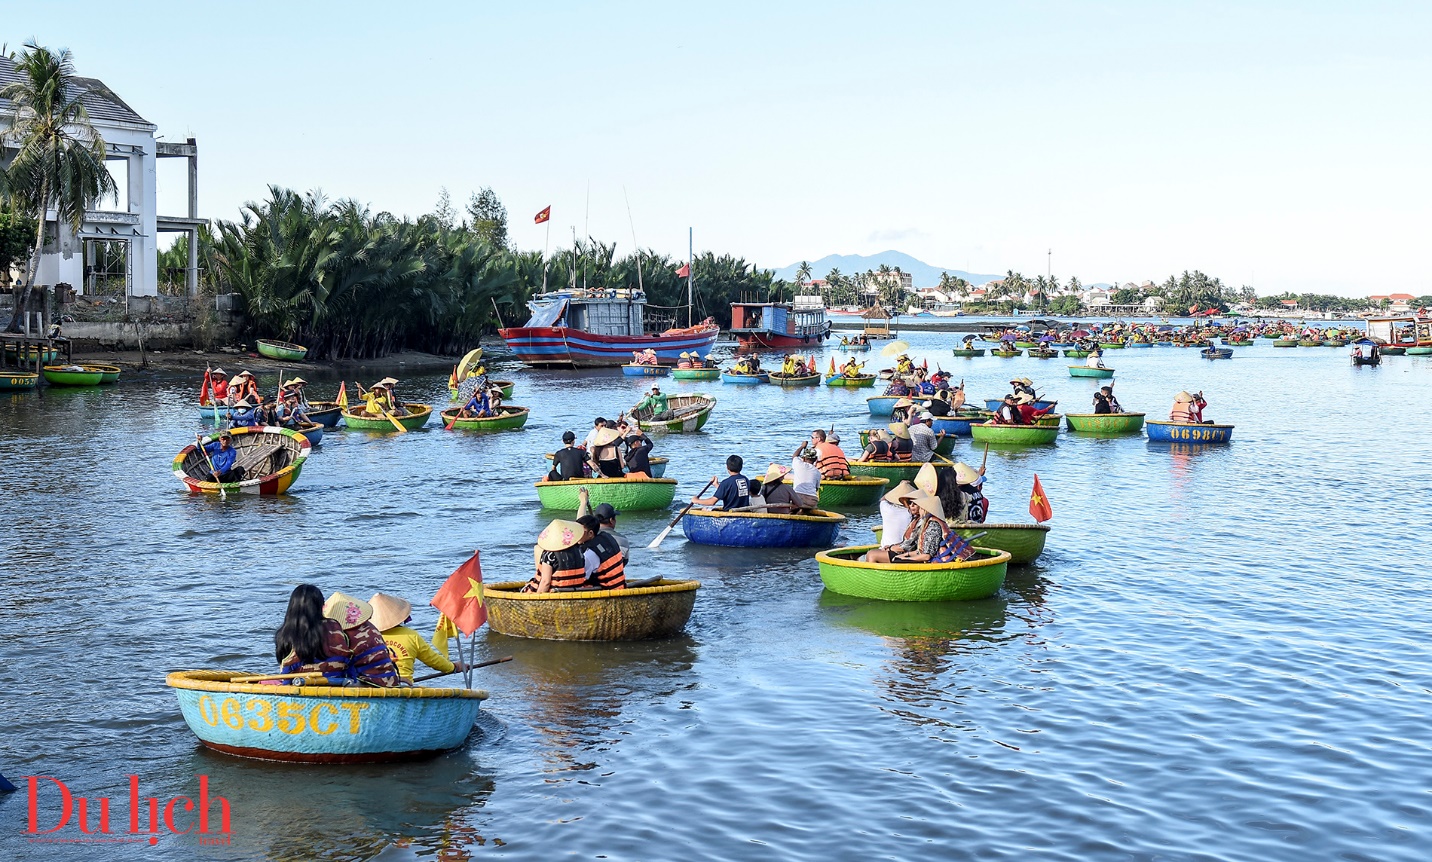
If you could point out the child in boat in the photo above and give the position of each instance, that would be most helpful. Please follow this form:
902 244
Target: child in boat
405 646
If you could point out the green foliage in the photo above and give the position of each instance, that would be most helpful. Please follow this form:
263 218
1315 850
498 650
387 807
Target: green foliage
489 218
1066 305
1127 296
17 238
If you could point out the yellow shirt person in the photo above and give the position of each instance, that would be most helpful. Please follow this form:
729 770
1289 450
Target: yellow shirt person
407 646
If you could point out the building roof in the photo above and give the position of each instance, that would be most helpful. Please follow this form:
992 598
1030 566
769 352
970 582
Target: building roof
1402 296
99 100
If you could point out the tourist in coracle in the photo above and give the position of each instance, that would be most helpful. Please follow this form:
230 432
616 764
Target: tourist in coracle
1027 411
561 565
939 406
591 439
406 647
291 414
897 386
638 454
1095 358
243 387
605 457
569 461
606 516
970 483
365 652
733 492
221 457
851 368
904 364
805 477
1023 386
243 414
299 387
895 516
902 410
1187 409
479 406
780 499
878 449
603 558
921 539
684 360
830 458
1008 413
923 439
307 641
219 386
1108 393
901 447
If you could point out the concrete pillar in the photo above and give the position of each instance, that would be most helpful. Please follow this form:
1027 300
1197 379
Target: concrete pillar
193 180
191 275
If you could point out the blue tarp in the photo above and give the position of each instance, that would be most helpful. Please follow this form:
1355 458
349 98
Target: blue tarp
547 315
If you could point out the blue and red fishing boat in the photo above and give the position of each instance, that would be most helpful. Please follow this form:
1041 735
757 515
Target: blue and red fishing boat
801 323
600 328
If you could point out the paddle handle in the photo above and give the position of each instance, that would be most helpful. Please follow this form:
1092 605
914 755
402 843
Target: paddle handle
985 460
312 674
469 667
674 521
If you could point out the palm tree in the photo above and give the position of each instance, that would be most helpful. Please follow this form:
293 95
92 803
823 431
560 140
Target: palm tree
60 160
803 273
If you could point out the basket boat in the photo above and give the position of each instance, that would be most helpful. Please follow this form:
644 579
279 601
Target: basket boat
63 375
855 492
696 374
882 405
1240 342
1027 345
1112 345
858 381
1419 351
418 415
625 495
1043 354
1015 435
18 379
322 723
761 529
1076 354
312 432
1105 423
1392 351
943 446
1086 371
632 369
1216 353
658 465
207 411
44 354
1183 432
1133 344
325 413
633 614
109 373
744 379
512 417
1006 354
893 471
1285 342
973 351
958 425
1307 342
685 413
854 348
979 577
285 351
1023 542
273 456
506 386
992 404
781 379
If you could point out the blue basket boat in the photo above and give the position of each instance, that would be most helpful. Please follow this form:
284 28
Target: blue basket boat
958 426
322 723
761 529
882 405
325 413
744 379
1183 432
635 370
206 414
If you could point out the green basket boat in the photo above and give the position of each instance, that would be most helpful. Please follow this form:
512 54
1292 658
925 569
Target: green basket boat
1076 354
71 375
894 471
1308 343
110 373
1105 423
1112 345
696 374
1392 351
1285 342
1419 351
837 494
1015 435
512 417
972 352
418 415
19 380
284 351
976 578
1027 345
780 379
1023 542
1334 342
625 495
1086 371
859 381
30 354
1006 354
658 464
685 414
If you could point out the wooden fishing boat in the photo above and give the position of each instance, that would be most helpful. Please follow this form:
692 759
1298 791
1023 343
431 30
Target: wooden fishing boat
312 432
893 471
855 492
417 417
634 369
1015 435
325 413
859 381
685 414
633 614
1367 360
992 404
284 351
1183 432
1043 354
1086 371
625 495
511 417
1216 353
71 375
320 723
958 425
968 354
18 379
740 379
1076 354
1105 423
1285 342
1112 345
109 373
1023 542
780 378
658 465
981 576
761 529
882 405
272 456
696 374
1006 354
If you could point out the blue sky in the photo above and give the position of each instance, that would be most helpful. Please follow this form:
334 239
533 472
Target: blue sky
1280 144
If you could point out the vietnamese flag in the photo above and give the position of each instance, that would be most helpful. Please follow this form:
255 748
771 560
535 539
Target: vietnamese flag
342 399
543 216
1038 503
206 389
831 372
684 272
460 597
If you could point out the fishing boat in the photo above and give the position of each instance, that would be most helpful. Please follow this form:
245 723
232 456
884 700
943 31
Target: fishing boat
1105 423
71 375
842 571
320 723
658 465
636 369
798 323
1023 542
598 328
1015 435
882 405
18 379
968 354
625 495
1334 342
312 432
1183 432
856 381
1216 353
660 610
780 378
285 351
1367 360
1086 371
739 529
958 425
272 456
696 374
993 404
325 413
1006 353
684 414
510 418
743 379
893 471
855 492
108 373
416 417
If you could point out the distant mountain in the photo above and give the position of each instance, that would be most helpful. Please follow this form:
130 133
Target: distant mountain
924 274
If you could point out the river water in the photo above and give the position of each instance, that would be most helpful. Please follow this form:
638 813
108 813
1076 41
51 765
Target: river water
1221 655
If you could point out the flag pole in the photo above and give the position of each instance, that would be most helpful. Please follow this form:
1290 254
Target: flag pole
546 244
690 273
471 658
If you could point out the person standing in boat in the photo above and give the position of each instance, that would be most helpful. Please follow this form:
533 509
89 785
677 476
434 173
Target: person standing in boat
221 457
406 647
567 462
657 402
733 492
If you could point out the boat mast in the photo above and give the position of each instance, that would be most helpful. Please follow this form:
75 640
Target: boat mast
690 274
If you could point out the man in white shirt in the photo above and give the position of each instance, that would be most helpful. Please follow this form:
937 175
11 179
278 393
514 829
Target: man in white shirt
923 439
805 477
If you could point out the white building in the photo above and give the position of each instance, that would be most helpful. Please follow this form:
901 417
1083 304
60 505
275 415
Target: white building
117 246
1095 296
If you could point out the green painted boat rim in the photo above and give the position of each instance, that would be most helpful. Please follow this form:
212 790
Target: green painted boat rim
512 417
804 380
57 375
837 557
418 415
275 349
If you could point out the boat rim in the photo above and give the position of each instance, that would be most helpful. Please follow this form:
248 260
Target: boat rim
577 483
996 557
824 517
218 681
510 590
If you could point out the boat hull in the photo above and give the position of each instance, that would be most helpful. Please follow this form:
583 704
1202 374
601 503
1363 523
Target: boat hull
512 418
18 380
312 432
1217 353
1023 542
992 404
855 492
689 414
893 471
418 416
790 382
1006 354
979 577
1085 371
967 354
108 373
629 495
638 613
854 348
325 413
632 370
761 529
1076 354
959 426
1015 435
321 723
283 351
744 379
882 405
565 347
56 376
1105 423
658 465
860 381
1181 432
696 374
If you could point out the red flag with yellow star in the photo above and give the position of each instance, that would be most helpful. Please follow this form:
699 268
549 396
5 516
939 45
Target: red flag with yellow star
460 597
1038 503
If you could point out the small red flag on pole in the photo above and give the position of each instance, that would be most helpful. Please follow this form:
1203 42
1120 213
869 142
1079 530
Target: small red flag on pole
206 389
684 272
543 216
342 399
1038 503
460 597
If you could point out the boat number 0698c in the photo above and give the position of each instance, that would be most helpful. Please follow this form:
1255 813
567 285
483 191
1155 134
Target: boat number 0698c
263 716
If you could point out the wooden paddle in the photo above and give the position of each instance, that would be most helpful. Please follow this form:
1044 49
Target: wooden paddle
311 674
674 521
199 442
469 667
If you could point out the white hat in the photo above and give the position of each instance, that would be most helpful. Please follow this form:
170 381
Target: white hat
924 415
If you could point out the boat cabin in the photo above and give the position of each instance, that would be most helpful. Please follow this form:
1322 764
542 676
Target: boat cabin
597 311
780 324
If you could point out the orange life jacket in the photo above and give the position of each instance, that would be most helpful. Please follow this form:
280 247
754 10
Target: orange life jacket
569 572
611 570
902 449
831 461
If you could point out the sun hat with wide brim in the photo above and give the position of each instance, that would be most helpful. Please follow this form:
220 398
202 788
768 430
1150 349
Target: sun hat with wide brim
389 611
242 402
242 374
387 381
931 504
927 479
1183 398
347 611
903 402
297 381
219 371
775 473
560 535
899 492
967 475
606 437
901 430
1024 398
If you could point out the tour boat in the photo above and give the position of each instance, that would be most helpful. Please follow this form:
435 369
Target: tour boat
312 432
325 413
284 351
625 495
882 405
1006 353
108 373
799 323
1105 423
272 459
854 348
1216 353
599 328
685 414
321 723
842 571
416 417
761 529
645 612
1023 542
510 417
1185 432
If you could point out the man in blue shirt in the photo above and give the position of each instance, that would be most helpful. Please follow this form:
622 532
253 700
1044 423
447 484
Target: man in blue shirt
734 492
221 457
